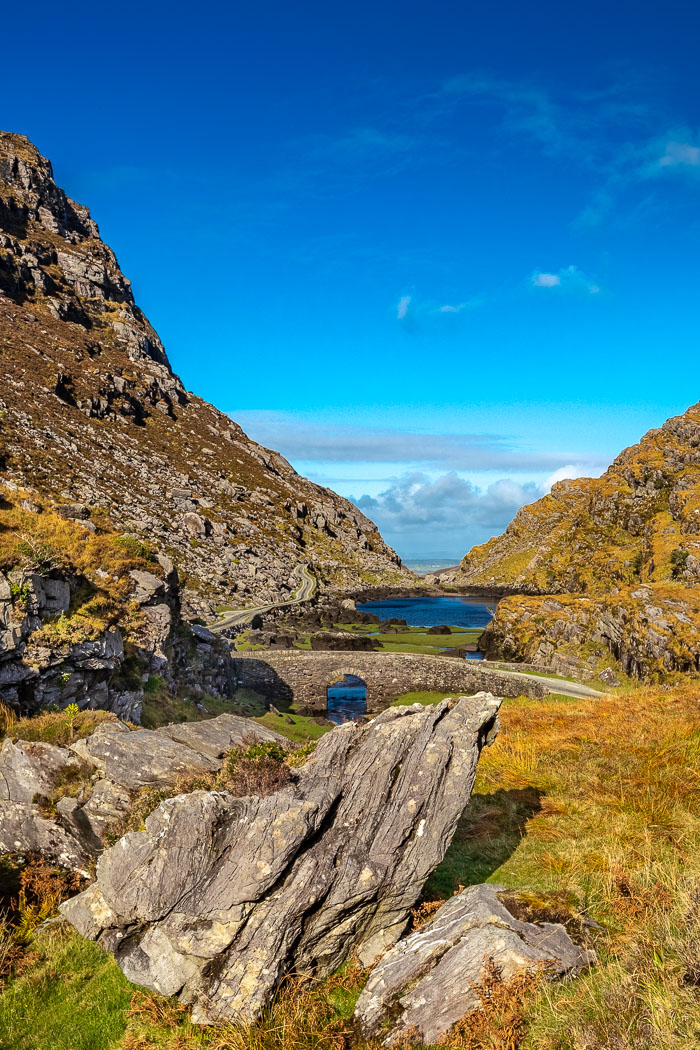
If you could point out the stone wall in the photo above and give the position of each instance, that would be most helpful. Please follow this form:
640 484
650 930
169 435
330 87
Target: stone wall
302 677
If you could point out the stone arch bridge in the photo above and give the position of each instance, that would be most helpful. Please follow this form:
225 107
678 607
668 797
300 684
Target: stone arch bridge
301 677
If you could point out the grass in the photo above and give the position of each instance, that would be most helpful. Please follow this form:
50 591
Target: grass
587 807
301 729
413 639
161 708
425 697
52 727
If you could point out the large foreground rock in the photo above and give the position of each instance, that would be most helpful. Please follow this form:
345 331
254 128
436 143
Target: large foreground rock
220 897
430 980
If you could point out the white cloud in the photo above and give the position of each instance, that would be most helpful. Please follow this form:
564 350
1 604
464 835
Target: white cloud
402 308
546 280
567 473
680 154
568 279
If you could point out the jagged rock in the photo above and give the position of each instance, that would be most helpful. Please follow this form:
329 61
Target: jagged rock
220 897
24 830
140 758
429 981
122 761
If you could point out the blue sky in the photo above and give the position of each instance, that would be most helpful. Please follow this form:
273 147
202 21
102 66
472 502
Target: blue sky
436 253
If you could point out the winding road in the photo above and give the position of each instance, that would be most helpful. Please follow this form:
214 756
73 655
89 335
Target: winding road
235 617
553 685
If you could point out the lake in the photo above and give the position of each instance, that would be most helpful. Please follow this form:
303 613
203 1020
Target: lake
348 699
454 610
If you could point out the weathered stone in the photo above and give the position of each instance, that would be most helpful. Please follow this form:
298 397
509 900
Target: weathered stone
223 896
214 737
23 830
140 758
430 980
28 769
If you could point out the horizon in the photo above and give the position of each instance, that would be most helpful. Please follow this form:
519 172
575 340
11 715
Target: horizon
438 258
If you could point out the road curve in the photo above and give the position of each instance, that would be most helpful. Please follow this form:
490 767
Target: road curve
305 591
553 685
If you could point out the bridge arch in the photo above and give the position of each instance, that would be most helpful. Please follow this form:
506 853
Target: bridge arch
300 678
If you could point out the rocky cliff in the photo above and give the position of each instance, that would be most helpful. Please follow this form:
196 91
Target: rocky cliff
92 415
621 553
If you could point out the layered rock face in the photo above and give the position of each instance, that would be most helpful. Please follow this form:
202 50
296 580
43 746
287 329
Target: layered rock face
621 553
220 897
92 414
106 770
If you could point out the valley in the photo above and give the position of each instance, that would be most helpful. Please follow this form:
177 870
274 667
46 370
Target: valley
261 785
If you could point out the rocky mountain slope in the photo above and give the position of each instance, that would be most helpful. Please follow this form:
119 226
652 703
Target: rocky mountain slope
92 415
621 553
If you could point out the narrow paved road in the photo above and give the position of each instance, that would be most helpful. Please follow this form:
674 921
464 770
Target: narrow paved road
553 685
305 591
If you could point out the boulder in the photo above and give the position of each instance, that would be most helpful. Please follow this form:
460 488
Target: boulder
142 758
30 768
215 736
429 981
220 897
119 762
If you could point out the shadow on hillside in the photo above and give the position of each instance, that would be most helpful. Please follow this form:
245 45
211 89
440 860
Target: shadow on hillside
489 831
257 675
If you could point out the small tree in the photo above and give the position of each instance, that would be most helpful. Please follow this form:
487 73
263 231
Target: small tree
72 712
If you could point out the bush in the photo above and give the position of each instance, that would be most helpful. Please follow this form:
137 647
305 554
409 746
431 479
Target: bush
678 559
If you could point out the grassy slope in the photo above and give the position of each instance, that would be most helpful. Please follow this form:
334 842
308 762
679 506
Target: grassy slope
592 804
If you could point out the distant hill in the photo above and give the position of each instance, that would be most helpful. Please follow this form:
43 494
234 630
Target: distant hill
618 558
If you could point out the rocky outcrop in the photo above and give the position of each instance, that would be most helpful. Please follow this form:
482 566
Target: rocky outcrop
428 982
220 897
648 632
92 416
616 559
106 769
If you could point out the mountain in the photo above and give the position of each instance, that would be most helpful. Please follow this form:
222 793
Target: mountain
612 565
92 416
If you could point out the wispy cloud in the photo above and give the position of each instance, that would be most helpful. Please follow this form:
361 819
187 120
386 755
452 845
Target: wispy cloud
568 279
411 310
308 441
680 155
403 307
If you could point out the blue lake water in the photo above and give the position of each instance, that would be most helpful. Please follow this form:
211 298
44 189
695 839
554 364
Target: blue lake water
453 610
347 700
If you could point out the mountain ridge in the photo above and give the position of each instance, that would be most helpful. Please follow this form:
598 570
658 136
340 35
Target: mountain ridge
93 414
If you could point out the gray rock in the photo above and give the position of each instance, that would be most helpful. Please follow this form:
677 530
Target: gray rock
142 758
220 897
30 768
149 590
426 983
23 830
215 736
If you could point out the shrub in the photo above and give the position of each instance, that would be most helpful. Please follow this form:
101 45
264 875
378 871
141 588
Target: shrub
679 557
135 547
